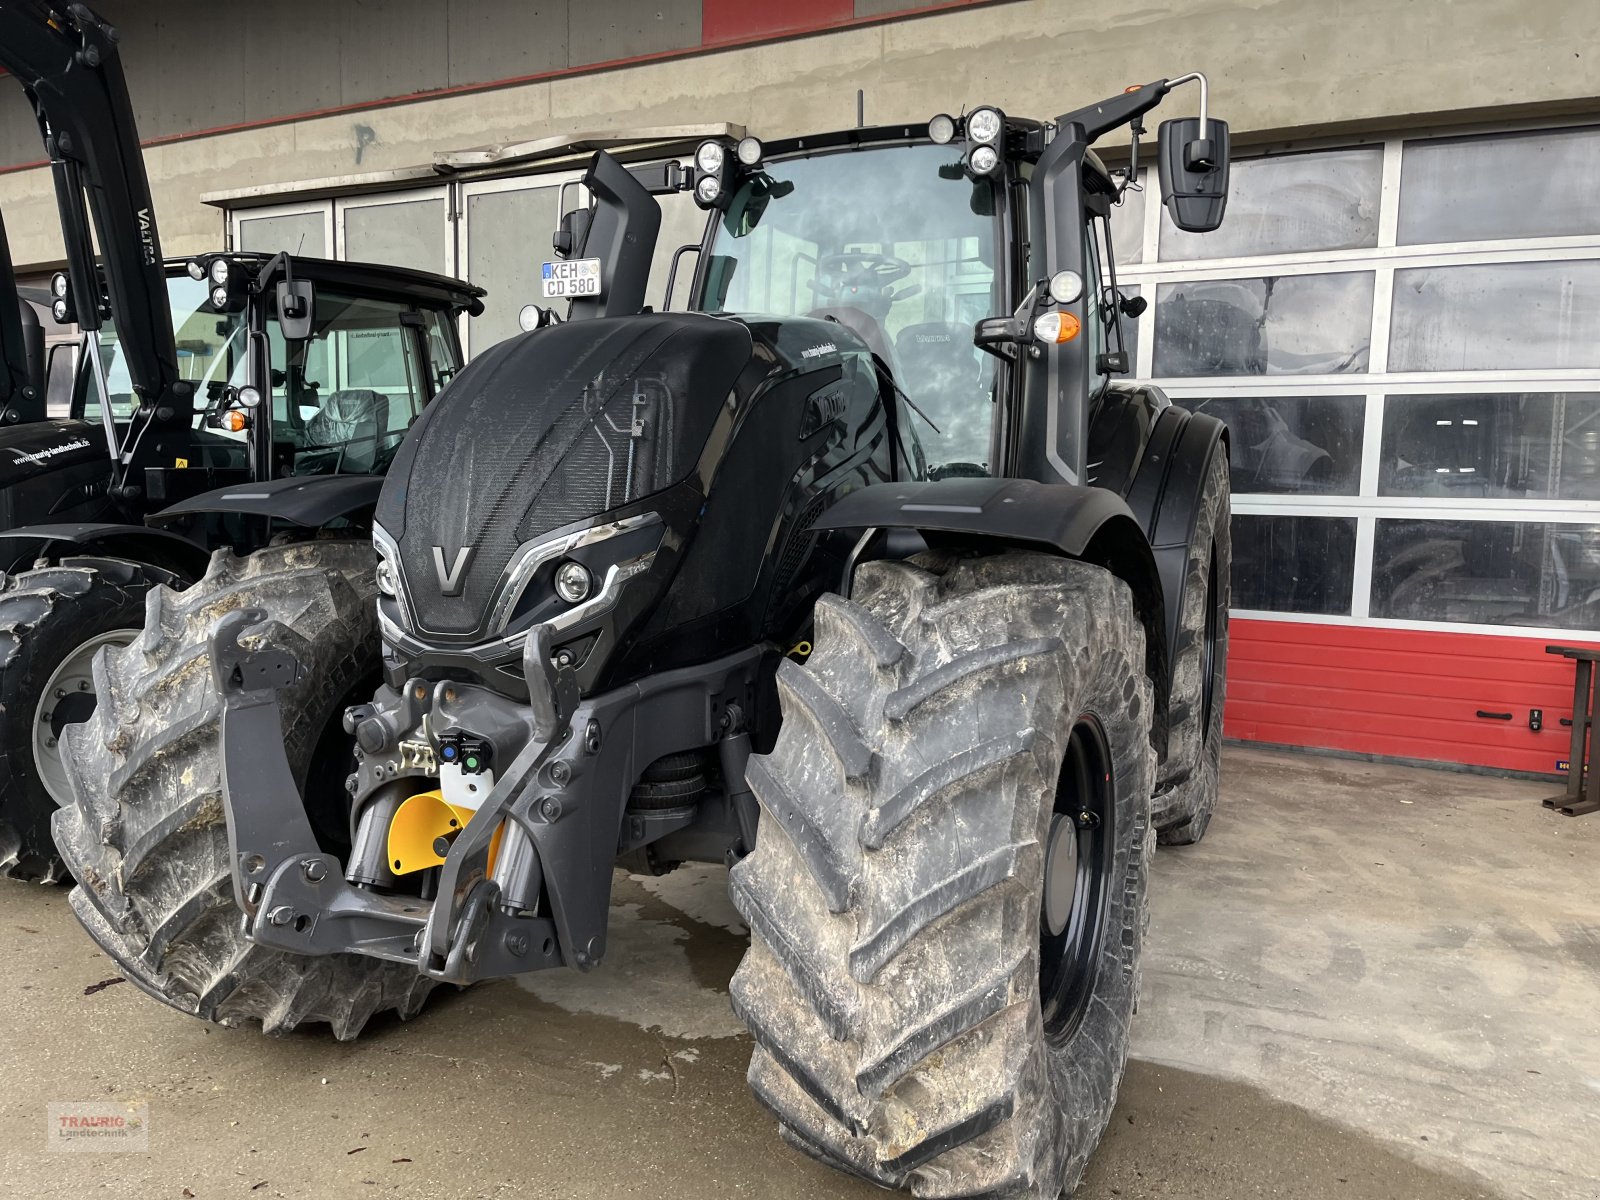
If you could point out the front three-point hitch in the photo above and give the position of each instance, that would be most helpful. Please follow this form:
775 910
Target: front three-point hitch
484 829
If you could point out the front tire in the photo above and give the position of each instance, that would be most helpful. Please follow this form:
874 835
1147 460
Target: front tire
52 621
146 837
939 985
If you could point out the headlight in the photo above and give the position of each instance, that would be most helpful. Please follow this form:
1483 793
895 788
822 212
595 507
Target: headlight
219 298
573 582
983 160
1055 327
1066 286
60 311
219 270
710 157
386 583
249 397
749 151
59 285
942 129
196 270
984 125
708 189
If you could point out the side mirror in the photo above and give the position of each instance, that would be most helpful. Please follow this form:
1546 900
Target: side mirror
569 238
297 306
1194 172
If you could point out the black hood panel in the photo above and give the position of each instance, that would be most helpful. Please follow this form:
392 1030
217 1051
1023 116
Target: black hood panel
545 429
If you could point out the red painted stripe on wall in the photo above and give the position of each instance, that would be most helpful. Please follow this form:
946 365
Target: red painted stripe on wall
1400 693
738 20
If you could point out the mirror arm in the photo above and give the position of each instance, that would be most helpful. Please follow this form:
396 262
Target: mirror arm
1196 77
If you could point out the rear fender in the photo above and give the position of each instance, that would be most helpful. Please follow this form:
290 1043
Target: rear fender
311 501
1166 492
1092 524
157 547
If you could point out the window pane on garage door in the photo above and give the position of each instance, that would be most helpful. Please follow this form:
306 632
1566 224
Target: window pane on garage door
1290 444
1127 223
1278 325
408 234
1540 446
1451 189
298 233
1289 203
1487 573
1500 316
1293 564
508 237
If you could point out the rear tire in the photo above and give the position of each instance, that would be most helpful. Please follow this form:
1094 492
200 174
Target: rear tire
917 1022
1186 789
146 836
52 619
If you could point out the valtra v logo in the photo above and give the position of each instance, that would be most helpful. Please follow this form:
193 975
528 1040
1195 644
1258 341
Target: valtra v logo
454 577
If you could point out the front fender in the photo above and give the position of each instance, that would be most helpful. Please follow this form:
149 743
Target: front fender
1062 516
154 546
1088 523
311 501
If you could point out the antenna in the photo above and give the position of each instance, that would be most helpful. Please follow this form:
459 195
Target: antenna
861 108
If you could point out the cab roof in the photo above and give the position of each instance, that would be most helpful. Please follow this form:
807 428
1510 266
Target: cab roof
369 279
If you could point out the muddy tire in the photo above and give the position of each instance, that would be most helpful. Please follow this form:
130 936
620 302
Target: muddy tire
146 838
923 1018
1186 786
52 619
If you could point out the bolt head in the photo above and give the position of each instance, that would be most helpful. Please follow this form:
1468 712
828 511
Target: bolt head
517 943
281 915
83 685
314 869
549 808
560 772
60 692
591 737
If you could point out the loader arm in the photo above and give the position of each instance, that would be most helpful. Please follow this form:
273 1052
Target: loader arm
67 61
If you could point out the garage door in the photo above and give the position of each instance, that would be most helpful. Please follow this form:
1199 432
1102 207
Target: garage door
1403 337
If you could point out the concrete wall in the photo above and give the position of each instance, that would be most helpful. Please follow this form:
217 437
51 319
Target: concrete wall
1275 65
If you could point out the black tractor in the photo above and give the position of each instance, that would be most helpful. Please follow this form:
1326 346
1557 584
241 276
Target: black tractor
207 395
863 577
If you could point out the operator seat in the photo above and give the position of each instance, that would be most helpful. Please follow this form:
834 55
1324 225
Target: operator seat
353 420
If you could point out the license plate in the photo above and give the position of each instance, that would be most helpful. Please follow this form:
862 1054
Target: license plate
571 277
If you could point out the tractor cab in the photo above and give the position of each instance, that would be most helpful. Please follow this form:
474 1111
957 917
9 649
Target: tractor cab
972 255
332 393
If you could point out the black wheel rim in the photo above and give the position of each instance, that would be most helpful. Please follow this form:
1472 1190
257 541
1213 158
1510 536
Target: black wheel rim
1208 672
1069 954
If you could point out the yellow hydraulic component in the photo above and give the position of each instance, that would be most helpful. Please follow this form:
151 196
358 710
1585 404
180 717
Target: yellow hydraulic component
800 651
422 825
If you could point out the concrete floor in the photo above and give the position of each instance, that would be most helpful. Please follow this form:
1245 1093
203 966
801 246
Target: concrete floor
1368 982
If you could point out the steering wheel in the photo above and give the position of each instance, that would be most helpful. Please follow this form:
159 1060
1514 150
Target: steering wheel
861 278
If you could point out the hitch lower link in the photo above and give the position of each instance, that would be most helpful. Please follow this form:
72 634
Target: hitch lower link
296 897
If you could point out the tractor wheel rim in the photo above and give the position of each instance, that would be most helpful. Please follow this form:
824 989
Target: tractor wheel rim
1079 860
68 698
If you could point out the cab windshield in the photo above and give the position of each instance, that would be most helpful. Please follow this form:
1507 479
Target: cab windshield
897 244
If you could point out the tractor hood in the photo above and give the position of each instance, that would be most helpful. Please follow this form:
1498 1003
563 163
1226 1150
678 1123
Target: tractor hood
552 428
41 447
